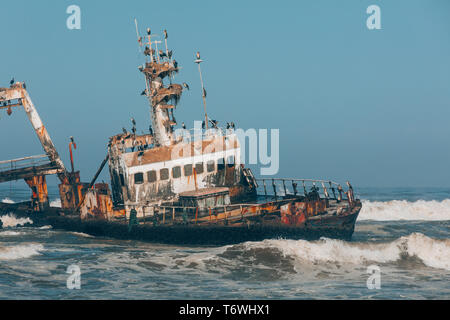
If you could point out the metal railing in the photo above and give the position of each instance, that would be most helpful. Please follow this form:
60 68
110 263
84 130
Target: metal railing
286 187
26 162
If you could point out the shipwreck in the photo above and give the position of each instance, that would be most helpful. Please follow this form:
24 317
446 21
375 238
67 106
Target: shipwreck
173 188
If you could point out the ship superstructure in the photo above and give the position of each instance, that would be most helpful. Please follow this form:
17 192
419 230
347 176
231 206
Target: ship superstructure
149 169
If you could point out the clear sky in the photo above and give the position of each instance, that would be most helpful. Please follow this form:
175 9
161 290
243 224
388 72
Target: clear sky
371 106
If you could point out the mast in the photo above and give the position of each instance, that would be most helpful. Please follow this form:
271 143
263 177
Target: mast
162 98
198 61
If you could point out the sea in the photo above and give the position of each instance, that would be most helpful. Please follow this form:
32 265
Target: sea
400 250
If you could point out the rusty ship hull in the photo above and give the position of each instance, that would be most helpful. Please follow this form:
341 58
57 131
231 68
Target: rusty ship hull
217 232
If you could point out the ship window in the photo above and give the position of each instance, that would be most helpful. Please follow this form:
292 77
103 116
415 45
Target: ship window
164 174
151 176
230 161
199 167
138 178
188 170
211 166
221 164
176 172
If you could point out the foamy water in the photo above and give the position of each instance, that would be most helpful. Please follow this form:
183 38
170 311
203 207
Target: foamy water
406 237
20 251
432 252
405 210
10 220
8 200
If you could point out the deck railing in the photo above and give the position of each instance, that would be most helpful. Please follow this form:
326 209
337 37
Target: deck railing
26 162
286 187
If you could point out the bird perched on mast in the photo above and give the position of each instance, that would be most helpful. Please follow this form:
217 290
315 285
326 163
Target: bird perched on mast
165 34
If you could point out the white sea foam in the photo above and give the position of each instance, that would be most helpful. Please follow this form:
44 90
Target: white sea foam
81 234
9 233
56 203
10 220
433 253
20 251
405 210
7 200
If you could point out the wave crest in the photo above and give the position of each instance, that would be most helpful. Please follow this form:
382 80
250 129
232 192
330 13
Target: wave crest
20 251
405 210
433 253
11 221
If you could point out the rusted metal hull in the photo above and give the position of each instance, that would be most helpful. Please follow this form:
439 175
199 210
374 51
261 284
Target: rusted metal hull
335 227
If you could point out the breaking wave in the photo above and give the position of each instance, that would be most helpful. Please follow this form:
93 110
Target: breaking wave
433 253
11 221
20 251
56 203
405 210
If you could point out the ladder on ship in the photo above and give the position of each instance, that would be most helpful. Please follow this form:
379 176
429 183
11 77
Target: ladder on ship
249 177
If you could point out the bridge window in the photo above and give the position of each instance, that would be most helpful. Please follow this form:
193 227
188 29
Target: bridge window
164 174
230 161
176 172
188 170
221 164
199 167
138 178
211 166
151 176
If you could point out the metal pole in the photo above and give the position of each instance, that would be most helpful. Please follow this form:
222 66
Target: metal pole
198 61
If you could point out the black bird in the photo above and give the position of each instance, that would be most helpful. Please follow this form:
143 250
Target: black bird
165 34
214 123
133 122
232 125
185 85
203 124
149 32
150 129
175 64
170 54
124 131
162 54
12 81
143 93
147 51
228 125
183 125
204 92
198 55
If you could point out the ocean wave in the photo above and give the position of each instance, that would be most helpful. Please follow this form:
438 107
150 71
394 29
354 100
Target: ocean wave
11 221
9 233
7 200
55 203
405 210
432 252
20 251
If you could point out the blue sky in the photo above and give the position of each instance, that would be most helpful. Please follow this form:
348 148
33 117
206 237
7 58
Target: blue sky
371 106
